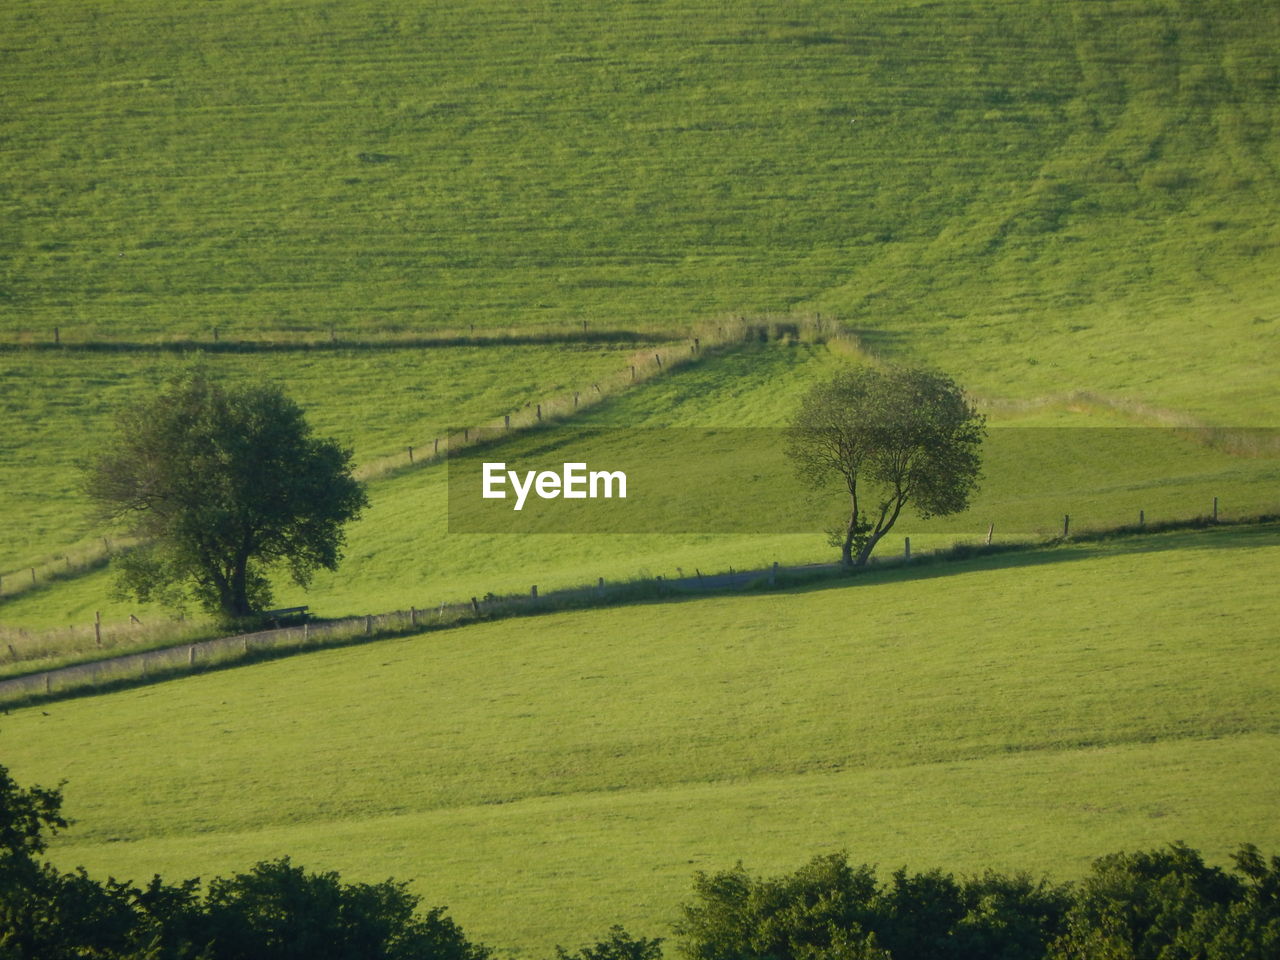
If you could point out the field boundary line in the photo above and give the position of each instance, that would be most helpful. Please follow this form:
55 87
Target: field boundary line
196 656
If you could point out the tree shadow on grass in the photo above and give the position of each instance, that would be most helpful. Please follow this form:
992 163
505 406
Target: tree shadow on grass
968 559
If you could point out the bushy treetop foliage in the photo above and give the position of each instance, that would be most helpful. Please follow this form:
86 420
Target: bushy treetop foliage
275 911
220 484
893 437
1163 904
1157 905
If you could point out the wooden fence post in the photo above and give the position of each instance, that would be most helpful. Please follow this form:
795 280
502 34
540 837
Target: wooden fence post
97 626
306 631
533 591
633 373
57 337
658 357
475 605
368 624
1215 509
33 575
599 588
773 574
1142 518
575 398
413 616
506 421
191 656
906 550
539 411
991 528
411 454
436 449
466 434
1066 525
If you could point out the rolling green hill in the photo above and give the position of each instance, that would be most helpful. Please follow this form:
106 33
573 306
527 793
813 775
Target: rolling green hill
1041 196
548 776
1040 464
1067 205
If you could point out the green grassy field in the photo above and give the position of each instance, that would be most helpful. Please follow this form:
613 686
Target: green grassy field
402 553
1047 196
58 409
548 776
1068 206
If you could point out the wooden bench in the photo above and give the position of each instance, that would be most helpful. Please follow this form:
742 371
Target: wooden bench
285 612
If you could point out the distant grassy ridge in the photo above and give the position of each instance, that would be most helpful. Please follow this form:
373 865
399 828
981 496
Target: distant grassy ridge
1042 192
1021 709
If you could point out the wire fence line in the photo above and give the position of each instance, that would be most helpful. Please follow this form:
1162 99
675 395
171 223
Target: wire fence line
222 651
238 338
196 655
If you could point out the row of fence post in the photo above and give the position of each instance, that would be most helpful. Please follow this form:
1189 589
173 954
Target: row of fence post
600 590
695 348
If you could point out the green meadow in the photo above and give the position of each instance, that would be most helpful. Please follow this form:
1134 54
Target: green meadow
548 776
1041 196
1068 206
404 552
59 408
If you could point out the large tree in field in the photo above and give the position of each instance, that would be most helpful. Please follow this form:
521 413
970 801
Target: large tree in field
893 437
220 484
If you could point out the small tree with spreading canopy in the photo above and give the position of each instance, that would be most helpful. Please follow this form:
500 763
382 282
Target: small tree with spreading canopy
894 437
220 484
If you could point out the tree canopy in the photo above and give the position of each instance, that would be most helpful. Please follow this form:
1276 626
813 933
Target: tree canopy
220 484
894 437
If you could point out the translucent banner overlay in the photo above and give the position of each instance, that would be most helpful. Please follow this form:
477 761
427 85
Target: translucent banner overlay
741 481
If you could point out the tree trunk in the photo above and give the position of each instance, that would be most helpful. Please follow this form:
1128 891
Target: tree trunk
850 531
864 554
236 603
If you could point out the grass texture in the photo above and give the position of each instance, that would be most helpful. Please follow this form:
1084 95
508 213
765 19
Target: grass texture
1051 195
402 553
57 409
548 776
